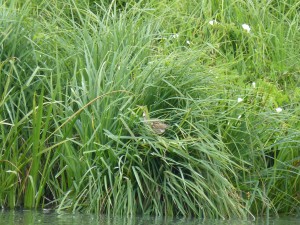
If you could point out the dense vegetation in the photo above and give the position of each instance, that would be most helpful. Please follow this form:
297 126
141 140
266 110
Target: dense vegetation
76 74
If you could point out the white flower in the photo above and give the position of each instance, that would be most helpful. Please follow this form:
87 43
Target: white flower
253 84
239 117
239 100
246 27
278 109
213 22
188 42
174 36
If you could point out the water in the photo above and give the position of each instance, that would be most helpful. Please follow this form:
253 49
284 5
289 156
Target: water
24 217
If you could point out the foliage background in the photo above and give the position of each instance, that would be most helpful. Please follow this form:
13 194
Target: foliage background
74 75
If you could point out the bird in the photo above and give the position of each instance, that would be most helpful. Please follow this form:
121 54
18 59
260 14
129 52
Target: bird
156 125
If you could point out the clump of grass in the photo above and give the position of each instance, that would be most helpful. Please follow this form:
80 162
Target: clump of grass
74 76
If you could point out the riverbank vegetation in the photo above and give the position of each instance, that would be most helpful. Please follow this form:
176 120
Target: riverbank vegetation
224 75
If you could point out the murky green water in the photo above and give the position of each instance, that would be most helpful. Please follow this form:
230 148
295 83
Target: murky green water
23 217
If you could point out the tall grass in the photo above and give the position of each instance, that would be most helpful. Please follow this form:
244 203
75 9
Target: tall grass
74 75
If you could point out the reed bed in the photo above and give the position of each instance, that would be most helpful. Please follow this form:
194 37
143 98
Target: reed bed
224 75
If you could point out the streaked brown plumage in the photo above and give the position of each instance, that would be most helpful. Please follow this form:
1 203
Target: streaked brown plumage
156 125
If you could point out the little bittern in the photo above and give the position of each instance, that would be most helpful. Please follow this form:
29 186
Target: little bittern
156 125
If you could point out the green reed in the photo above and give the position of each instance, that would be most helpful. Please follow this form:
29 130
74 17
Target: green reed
75 76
